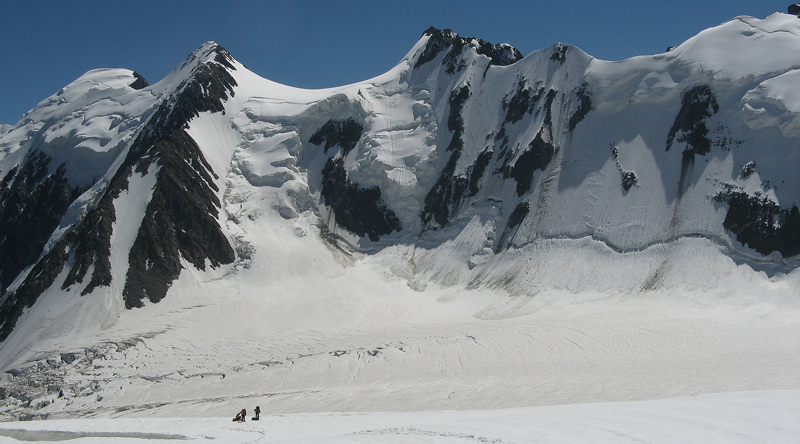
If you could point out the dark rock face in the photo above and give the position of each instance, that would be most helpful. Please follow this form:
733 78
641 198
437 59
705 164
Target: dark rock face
441 199
476 170
536 157
449 189
747 170
548 108
343 133
760 223
514 220
91 241
359 210
206 90
139 83
794 9
440 40
40 279
180 219
522 101
32 202
519 213
559 53
697 105
455 121
500 54
584 106
629 179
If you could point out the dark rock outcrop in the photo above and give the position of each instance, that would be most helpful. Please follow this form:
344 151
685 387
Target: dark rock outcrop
761 223
536 157
559 53
38 280
206 90
359 210
450 189
629 179
697 105
548 109
514 220
32 202
342 133
522 101
447 40
747 170
584 106
180 220
139 83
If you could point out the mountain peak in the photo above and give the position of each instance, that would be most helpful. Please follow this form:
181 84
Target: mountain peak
208 51
447 40
556 171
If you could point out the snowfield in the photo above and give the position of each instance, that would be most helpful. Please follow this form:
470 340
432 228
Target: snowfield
728 360
731 418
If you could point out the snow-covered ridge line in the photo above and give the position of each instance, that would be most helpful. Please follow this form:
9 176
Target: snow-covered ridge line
86 242
466 166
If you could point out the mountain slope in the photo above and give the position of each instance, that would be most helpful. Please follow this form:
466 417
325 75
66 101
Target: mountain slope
465 166
167 230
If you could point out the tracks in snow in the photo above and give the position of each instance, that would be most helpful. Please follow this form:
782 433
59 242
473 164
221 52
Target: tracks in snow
611 356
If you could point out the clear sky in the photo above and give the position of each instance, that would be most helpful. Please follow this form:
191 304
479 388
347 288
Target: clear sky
46 44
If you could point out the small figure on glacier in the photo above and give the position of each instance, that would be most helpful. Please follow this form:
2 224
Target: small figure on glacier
241 416
258 412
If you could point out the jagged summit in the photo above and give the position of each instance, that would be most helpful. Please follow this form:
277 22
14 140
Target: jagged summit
206 84
205 53
446 40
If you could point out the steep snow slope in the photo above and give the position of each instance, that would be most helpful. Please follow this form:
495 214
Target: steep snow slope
39 198
464 188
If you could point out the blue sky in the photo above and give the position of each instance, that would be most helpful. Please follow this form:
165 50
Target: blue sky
315 44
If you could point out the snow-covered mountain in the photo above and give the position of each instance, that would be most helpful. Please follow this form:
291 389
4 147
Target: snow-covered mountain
465 166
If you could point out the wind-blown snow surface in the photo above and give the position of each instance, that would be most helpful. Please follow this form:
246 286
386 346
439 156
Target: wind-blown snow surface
732 418
550 231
